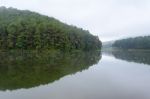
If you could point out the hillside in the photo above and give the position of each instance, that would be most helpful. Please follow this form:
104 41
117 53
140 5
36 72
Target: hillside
142 42
23 29
107 44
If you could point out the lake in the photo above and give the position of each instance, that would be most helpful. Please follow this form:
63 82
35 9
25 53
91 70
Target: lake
76 75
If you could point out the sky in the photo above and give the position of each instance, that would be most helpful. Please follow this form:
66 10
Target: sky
108 19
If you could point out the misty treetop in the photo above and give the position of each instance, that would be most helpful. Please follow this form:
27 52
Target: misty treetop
142 42
23 29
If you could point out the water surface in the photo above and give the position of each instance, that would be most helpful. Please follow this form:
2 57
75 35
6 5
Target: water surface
79 75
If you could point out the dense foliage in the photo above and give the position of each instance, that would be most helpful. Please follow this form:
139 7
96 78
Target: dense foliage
133 43
22 29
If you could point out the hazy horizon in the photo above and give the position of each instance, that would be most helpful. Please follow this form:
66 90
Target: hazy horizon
109 19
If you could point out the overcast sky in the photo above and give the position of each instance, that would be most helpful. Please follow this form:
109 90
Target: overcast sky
109 19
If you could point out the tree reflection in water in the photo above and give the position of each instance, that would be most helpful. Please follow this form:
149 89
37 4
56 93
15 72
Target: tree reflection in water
133 56
26 69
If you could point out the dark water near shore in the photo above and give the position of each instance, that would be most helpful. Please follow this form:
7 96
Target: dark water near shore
76 75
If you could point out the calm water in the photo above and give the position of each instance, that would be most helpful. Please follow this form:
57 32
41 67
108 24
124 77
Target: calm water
78 75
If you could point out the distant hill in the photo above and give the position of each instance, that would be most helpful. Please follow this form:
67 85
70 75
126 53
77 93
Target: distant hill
23 29
142 42
107 44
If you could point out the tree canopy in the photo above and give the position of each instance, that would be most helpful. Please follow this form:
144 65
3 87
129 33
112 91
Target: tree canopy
142 42
23 29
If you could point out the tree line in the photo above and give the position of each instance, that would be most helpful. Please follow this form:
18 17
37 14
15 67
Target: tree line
142 42
23 29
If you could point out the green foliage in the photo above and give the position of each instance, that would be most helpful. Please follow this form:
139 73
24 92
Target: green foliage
133 43
29 30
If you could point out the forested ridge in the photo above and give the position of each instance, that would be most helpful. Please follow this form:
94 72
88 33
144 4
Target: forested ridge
23 29
142 42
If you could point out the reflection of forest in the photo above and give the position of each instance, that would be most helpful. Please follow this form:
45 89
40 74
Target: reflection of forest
26 69
133 56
